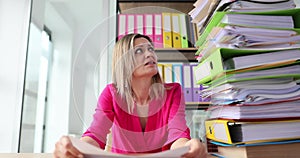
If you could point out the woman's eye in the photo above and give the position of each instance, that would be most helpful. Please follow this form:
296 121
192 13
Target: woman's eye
138 51
151 49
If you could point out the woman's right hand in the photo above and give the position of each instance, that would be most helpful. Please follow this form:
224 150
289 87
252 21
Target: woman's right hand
65 149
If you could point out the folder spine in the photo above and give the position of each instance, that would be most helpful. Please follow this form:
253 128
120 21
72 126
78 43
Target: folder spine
158 37
148 26
167 30
176 38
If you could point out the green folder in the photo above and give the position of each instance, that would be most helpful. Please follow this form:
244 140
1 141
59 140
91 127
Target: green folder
213 66
184 23
218 16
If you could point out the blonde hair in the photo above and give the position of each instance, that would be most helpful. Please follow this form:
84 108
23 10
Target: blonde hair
123 65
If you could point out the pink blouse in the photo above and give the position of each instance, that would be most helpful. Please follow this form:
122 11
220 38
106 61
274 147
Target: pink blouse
165 124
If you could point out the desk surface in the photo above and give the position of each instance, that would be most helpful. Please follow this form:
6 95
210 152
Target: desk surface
36 155
26 155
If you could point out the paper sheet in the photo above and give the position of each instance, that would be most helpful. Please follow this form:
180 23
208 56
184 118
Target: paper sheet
90 151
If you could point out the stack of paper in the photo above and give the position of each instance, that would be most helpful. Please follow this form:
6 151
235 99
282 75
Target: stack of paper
249 132
273 30
251 95
247 61
250 61
270 21
246 37
271 110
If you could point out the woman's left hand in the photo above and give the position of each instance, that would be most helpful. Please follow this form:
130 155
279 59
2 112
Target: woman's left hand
197 149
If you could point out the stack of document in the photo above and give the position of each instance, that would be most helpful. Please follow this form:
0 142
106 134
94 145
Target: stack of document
241 37
272 30
257 91
246 132
250 61
269 21
271 58
232 64
237 37
271 110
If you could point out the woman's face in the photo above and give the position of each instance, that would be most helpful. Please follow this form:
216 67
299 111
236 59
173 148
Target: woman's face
146 59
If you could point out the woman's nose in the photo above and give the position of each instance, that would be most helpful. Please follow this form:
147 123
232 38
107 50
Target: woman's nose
148 54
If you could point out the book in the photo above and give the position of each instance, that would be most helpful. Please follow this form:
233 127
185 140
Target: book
90 151
248 132
273 150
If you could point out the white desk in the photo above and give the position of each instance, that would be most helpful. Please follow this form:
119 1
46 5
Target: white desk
26 155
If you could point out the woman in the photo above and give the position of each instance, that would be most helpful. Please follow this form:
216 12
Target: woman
144 114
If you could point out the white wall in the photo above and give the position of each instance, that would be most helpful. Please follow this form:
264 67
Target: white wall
92 40
57 112
14 20
91 44
74 82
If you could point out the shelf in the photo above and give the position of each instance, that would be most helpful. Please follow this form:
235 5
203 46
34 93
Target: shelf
197 105
176 54
162 1
155 6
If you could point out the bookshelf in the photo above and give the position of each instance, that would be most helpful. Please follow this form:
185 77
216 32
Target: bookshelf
154 6
197 105
170 55
176 55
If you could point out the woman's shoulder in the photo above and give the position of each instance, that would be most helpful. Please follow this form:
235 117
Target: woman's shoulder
173 85
110 88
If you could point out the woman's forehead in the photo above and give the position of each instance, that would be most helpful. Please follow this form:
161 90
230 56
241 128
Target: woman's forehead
141 42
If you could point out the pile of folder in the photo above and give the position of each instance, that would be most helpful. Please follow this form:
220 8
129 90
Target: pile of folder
250 62
205 9
167 30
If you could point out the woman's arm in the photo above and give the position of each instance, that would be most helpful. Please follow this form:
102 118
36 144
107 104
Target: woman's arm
179 143
65 148
90 141
197 148
178 125
102 119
